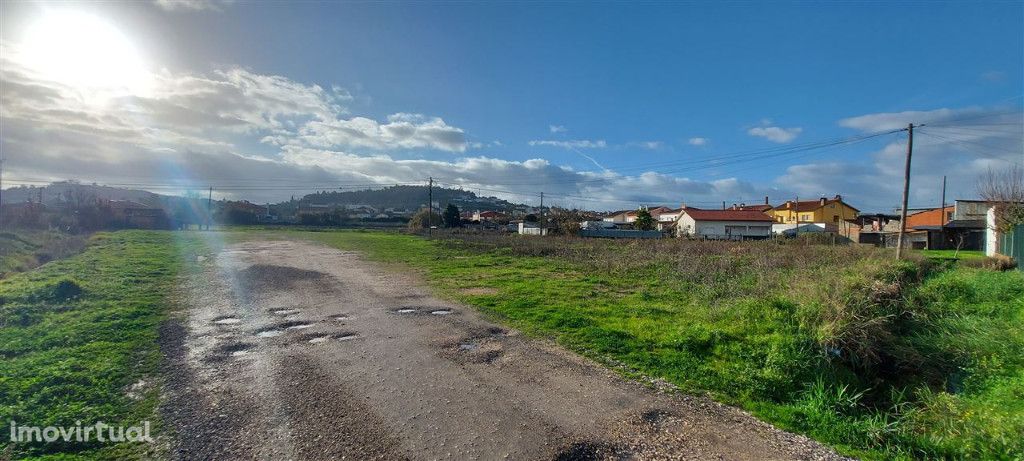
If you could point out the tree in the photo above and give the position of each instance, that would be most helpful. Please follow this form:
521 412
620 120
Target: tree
423 219
644 220
1005 190
451 216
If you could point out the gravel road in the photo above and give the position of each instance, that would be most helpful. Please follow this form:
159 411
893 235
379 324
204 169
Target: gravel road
292 350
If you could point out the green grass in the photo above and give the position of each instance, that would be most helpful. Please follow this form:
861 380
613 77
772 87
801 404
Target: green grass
878 359
75 334
952 254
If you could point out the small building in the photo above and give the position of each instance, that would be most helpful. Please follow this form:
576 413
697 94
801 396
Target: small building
724 224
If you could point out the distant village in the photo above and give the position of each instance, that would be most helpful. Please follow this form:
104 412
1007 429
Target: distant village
960 225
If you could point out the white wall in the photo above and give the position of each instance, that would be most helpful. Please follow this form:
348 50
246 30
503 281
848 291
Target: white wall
717 229
991 236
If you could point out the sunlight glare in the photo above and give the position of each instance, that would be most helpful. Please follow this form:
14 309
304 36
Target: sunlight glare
85 52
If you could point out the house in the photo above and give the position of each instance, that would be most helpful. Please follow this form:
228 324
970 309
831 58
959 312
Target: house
724 224
135 215
489 216
617 217
823 210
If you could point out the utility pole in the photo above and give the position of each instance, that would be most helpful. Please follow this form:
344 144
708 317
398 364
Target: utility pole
542 211
906 191
209 208
796 215
942 219
430 205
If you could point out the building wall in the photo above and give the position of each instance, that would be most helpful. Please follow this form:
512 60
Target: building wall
936 217
970 211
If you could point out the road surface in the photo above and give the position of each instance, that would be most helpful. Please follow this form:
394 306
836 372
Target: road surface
293 350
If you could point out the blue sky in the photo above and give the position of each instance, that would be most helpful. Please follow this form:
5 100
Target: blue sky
602 106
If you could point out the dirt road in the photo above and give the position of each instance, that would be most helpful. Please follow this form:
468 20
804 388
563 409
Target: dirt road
291 350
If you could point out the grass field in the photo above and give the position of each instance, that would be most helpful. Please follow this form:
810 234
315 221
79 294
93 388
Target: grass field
883 360
78 340
916 359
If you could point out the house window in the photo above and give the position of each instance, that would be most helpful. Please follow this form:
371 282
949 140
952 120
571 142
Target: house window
806 217
835 218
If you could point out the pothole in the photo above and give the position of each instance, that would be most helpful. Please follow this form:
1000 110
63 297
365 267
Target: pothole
345 336
299 326
280 328
338 318
269 333
285 312
232 350
441 312
319 339
227 320
405 310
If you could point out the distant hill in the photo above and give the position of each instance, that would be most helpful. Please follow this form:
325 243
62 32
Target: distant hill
411 198
65 191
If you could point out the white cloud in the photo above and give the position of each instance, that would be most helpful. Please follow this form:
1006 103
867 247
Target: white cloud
557 128
774 133
574 144
698 141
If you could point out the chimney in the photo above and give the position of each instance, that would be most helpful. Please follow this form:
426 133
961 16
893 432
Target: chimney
823 200
838 197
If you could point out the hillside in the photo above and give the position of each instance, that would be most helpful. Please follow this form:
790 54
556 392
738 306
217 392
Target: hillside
411 198
66 191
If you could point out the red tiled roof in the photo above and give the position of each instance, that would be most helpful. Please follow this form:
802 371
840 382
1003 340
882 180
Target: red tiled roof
727 215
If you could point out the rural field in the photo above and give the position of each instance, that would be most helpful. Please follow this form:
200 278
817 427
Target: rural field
255 343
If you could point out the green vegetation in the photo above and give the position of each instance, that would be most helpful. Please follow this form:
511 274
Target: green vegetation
23 250
953 254
77 334
881 359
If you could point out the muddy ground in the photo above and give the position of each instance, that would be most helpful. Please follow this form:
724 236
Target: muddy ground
292 350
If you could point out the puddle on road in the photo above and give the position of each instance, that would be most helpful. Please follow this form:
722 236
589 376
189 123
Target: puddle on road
319 339
227 320
269 333
239 353
441 312
298 326
468 346
285 312
338 318
406 311
346 336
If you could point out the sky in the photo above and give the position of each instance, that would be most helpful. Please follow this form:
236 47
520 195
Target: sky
597 105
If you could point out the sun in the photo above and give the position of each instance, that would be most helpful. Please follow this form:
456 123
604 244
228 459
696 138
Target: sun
83 51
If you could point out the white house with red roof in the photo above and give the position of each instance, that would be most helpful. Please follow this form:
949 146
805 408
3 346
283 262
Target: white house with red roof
723 224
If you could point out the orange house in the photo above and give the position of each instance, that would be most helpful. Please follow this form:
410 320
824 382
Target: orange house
933 217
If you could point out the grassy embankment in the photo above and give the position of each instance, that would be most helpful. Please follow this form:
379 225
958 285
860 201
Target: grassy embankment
78 340
879 359
24 250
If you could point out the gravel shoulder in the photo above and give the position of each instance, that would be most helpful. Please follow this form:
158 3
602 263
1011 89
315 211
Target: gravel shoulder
292 350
